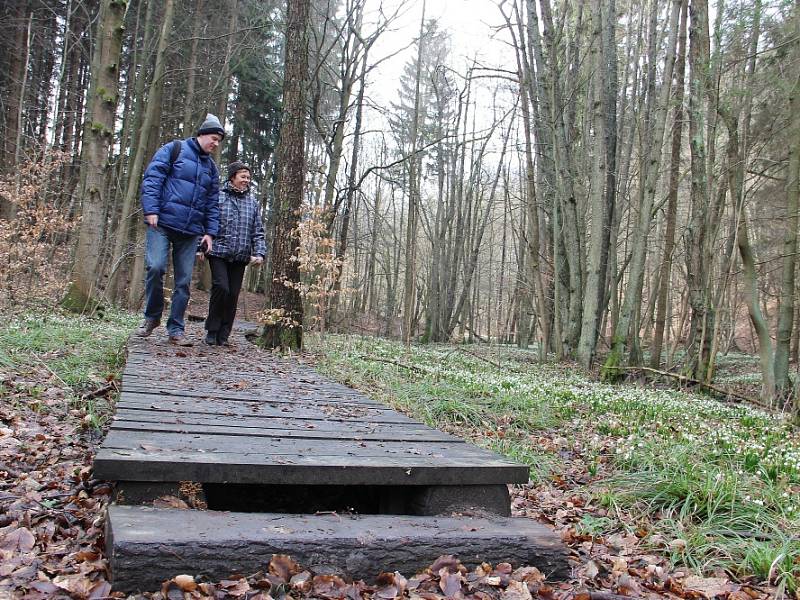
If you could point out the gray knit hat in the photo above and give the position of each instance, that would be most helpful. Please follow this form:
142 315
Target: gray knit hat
211 125
237 166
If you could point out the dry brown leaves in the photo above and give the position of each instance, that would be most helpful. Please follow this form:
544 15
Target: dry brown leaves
51 526
33 257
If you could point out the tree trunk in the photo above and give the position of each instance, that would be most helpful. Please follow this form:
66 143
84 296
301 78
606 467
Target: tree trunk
672 197
410 280
139 144
97 138
627 326
285 328
787 291
702 313
595 277
198 18
148 140
351 187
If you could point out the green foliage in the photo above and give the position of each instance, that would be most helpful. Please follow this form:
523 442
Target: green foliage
715 483
99 129
76 353
256 113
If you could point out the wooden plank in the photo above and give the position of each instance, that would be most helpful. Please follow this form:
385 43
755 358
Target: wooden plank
146 546
266 409
155 442
263 421
273 394
277 422
241 429
139 465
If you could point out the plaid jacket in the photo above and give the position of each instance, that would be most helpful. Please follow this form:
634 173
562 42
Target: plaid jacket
241 232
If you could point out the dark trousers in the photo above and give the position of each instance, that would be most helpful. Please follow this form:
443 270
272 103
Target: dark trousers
226 282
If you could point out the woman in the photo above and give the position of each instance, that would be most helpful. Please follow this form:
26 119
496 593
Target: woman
240 241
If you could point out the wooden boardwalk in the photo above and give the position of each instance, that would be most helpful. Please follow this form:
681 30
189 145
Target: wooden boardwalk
292 463
210 416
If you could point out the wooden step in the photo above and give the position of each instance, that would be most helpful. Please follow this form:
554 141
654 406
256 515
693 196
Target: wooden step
146 546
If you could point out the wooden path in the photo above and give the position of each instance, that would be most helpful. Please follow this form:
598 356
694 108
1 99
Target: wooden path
196 414
287 451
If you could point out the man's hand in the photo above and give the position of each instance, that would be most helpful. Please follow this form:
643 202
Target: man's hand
256 260
200 256
206 241
151 220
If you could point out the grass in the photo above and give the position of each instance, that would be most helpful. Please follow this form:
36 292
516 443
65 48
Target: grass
718 484
66 354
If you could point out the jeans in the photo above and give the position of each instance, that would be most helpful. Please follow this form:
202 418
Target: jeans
156 255
226 282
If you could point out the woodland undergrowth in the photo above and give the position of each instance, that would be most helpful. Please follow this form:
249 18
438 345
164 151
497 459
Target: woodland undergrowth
710 487
658 493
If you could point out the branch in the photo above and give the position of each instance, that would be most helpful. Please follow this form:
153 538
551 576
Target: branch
398 161
684 379
218 37
397 364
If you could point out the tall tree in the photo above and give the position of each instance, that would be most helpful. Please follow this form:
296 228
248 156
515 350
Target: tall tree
697 231
792 191
410 279
98 133
665 283
627 326
145 115
285 328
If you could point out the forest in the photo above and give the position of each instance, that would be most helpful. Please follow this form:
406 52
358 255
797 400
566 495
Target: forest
563 230
619 187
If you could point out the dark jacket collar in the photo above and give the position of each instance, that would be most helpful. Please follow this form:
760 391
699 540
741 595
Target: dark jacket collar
196 146
229 189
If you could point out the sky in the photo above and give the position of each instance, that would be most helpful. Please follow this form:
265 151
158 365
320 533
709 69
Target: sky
469 23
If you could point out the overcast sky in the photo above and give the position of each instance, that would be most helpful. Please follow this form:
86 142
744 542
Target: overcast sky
468 22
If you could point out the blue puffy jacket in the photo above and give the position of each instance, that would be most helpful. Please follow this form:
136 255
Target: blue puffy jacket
185 194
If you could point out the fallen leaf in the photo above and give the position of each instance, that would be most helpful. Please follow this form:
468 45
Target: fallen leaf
170 502
301 582
709 587
77 585
185 582
528 575
19 539
516 590
450 583
283 567
450 562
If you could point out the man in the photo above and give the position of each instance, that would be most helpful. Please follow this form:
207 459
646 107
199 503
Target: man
180 193
240 242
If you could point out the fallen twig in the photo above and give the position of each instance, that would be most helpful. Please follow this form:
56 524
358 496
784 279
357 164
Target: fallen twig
393 362
111 386
684 379
486 360
607 596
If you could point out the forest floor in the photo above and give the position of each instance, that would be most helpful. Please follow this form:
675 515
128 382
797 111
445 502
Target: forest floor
657 492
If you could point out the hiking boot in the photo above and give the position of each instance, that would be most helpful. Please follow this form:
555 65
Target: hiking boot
147 327
180 339
211 339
